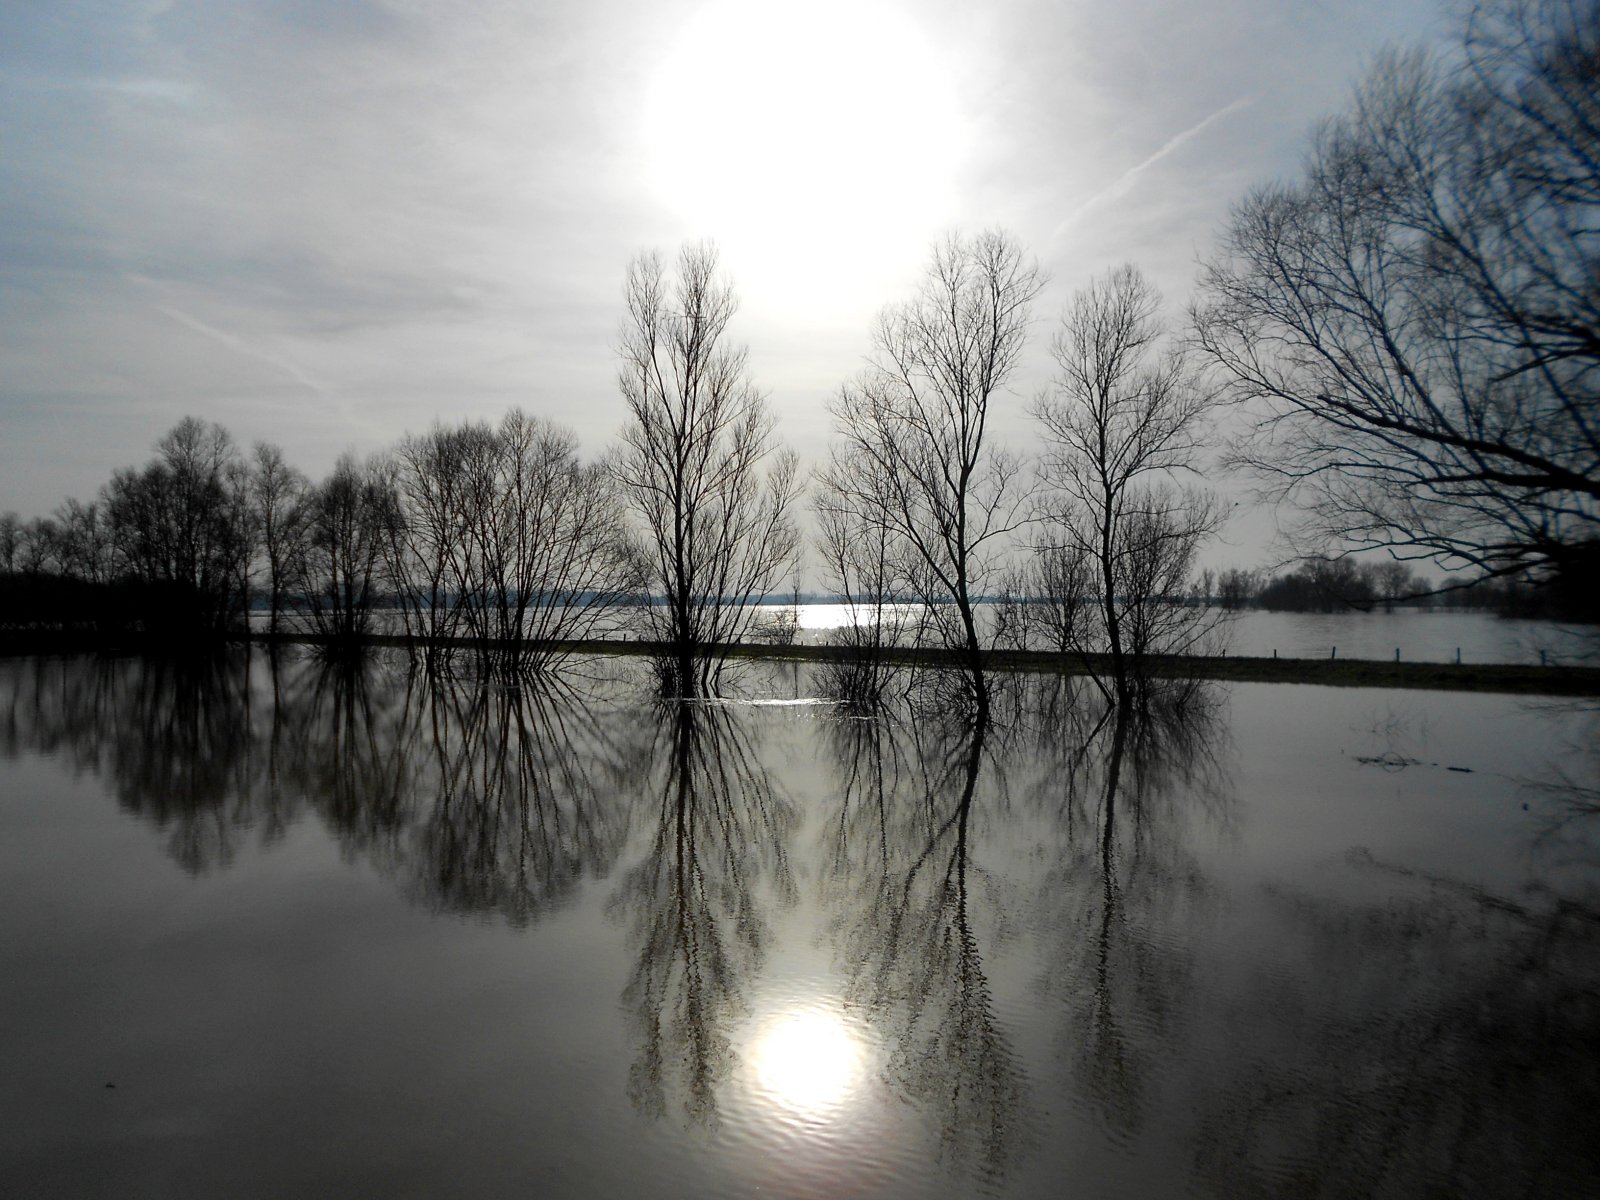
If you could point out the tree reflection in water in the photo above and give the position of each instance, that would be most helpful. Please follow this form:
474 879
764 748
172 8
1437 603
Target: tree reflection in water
1568 791
533 786
718 831
901 871
173 737
1125 788
353 726
1436 1039
1368 1030
476 796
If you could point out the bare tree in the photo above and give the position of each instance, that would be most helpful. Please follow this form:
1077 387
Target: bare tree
1415 319
1162 529
861 563
509 538
11 528
1123 418
1237 589
547 554
180 527
351 519
278 494
1058 585
912 458
427 560
567 555
36 546
699 465
83 541
1392 582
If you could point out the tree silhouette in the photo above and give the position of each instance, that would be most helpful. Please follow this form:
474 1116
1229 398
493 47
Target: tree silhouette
700 467
913 462
1413 321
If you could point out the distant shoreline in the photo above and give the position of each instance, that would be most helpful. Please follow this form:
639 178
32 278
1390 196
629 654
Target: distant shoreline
1509 678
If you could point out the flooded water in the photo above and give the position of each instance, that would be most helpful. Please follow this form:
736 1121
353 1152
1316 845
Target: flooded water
309 931
1414 635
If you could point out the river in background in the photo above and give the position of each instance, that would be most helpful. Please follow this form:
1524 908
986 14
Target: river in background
323 931
1420 635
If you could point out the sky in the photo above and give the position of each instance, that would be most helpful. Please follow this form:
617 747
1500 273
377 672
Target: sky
325 223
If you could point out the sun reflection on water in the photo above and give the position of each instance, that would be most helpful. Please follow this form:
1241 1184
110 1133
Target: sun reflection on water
808 1061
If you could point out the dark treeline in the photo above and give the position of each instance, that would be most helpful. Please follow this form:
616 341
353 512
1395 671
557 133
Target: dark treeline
1332 585
496 535
1405 338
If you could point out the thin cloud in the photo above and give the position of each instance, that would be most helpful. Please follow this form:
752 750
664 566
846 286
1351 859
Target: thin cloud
1123 184
241 346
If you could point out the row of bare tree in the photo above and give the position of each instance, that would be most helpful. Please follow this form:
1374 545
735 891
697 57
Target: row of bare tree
499 536
1411 329
1410 332
918 503
502 536
920 513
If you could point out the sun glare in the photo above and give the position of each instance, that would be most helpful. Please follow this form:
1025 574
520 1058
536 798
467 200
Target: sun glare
804 137
808 1062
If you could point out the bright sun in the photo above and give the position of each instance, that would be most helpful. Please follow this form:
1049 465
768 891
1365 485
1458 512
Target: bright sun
808 1062
804 137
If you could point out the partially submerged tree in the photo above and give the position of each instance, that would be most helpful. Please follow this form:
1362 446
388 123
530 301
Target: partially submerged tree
350 522
1393 582
1237 589
861 563
554 552
278 496
1123 418
700 466
508 538
426 559
1414 322
912 459
1327 585
180 529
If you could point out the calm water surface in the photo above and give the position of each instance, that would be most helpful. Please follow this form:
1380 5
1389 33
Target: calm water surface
1419 635
331 932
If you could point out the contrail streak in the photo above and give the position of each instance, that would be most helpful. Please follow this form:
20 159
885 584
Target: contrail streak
240 346
1123 184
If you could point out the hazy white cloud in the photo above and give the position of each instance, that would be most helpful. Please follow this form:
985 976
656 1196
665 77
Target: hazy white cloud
328 223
